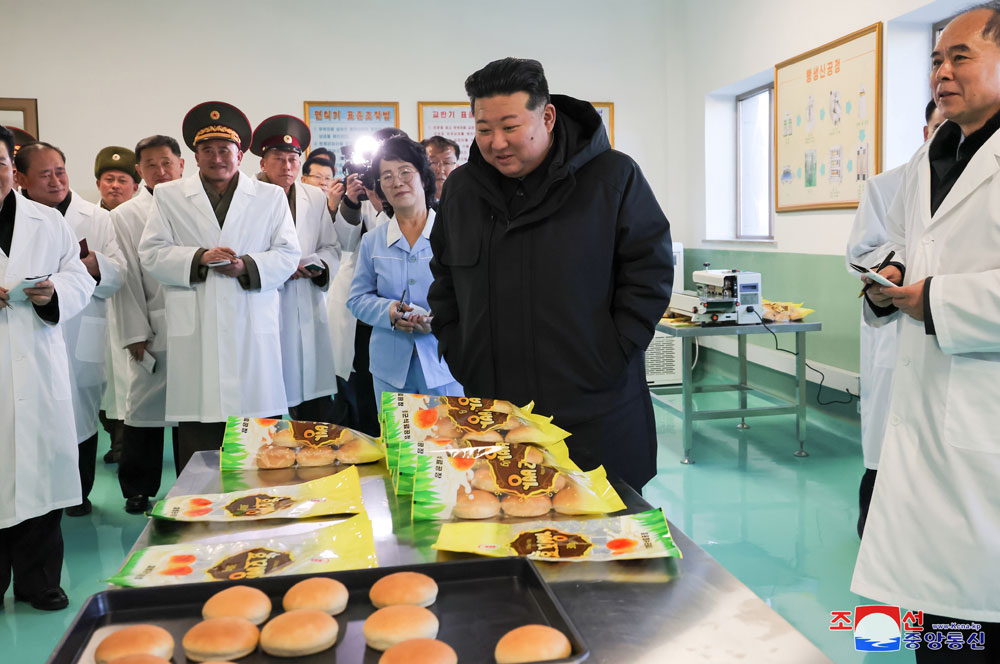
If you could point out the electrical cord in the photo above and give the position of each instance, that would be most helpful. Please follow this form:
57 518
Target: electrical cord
822 376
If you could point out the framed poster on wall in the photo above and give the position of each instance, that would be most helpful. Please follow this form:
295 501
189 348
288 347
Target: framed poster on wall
334 124
606 109
451 119
828 123
21 113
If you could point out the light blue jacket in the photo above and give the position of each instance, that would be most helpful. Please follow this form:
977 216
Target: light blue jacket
387 265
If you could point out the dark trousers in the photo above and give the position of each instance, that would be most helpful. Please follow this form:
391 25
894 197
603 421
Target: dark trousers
865 497
363 386
141 463
623 441
345 405
87 463
32 551
196 437
115 430
990 654
319 409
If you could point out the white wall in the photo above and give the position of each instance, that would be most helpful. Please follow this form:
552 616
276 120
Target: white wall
728 41
111 72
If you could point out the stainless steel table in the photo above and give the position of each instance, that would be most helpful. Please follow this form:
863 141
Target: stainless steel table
688 389
640 612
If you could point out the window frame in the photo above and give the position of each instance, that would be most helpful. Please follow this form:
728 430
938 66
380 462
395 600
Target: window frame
737 234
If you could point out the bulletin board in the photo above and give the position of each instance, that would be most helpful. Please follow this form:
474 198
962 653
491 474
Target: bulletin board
451 119
337 123
828 123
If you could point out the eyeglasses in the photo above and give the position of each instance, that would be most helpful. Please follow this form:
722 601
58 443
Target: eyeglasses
443 164
404 175
320 178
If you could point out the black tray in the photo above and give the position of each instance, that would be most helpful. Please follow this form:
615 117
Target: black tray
478 602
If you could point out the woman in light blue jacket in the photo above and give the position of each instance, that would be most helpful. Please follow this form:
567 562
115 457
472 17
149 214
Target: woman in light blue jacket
389 291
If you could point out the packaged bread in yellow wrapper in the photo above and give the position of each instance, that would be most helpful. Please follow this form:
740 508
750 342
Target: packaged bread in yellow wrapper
784 312
345 545
643 535
336 494
253 442
452 423
509 479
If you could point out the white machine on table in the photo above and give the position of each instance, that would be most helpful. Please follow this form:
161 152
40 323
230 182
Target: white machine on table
721 296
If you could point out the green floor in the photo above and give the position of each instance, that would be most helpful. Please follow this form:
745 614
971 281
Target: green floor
784 526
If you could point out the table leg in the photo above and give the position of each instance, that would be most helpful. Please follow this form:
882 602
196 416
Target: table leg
687 394
800 377
741 344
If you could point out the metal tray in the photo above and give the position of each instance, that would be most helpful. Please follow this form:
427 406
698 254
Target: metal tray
478 602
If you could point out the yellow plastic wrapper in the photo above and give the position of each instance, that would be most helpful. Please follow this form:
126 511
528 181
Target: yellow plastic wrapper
784 312
510 479
643 535
336 494
346 545
253 442
451 423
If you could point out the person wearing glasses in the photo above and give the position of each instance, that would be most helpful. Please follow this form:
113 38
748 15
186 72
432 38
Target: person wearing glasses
443 154
319 170
389 291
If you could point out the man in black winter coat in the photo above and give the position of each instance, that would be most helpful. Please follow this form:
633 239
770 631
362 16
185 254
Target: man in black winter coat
552 265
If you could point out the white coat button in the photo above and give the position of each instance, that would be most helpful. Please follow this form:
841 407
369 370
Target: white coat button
895 420
413 281
928 240
413 259
906 361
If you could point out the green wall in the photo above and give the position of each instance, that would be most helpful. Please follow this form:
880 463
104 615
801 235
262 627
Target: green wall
820 282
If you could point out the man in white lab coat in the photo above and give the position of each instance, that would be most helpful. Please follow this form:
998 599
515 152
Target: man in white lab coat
142 332
41 172
932 540
306 351
878 344
222 244
38 476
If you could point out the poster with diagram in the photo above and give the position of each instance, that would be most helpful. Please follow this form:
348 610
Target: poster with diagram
827 123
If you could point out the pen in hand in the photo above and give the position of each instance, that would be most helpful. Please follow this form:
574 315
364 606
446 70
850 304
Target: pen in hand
884 264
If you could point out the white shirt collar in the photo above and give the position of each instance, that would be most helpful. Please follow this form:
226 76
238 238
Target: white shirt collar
393 233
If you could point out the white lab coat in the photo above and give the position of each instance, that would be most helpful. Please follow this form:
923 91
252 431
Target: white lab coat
223 343
932 540
306 350
87 333
140 315
39 444
115 368
342 321
878 344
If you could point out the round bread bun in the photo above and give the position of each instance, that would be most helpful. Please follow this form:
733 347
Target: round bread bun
221 638
569 500
318 593
526 505
350 452
140 659
395 624
445 428
477 504
532 455
135 640
491 436
272 456
501 406
238 602
298 633
403 588
532 643
316 456
559 483
523 434
483 480
419 651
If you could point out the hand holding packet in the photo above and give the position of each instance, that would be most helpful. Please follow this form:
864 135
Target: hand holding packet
17 294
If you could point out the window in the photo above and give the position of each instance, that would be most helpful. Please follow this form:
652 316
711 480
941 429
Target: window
754 171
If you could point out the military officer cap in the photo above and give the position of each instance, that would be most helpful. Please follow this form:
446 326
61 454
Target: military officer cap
216 120
280 132
115 158
21 138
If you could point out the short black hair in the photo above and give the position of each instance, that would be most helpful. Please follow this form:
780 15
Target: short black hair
929 111
22 162
7 138
157 141
506 77
320 160
402 148
385 133
442 143
322 153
